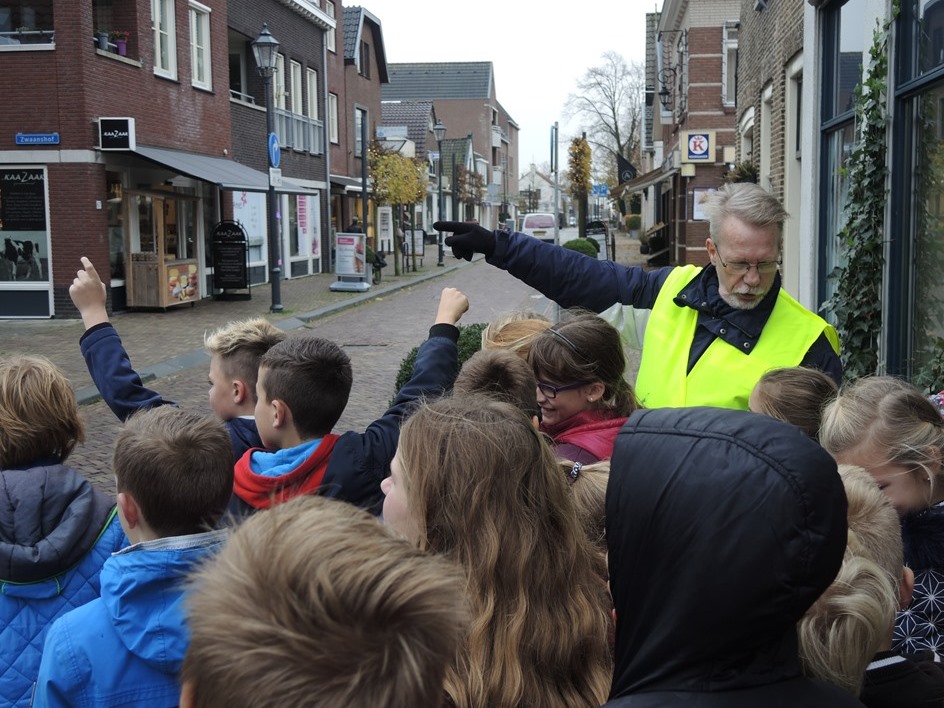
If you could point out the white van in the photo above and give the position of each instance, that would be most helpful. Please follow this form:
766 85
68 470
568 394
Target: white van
539 225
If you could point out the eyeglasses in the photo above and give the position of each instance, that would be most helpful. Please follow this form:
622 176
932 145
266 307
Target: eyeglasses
743 267
551 392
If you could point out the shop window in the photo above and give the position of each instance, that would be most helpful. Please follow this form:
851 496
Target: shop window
25 23
200 46
163 26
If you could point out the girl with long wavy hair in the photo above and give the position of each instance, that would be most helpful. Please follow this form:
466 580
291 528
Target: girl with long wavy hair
473 481
585 399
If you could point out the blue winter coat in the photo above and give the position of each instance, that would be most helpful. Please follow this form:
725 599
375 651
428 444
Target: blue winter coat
126 648
56 531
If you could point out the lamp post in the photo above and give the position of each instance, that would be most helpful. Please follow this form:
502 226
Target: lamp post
439 130
265 48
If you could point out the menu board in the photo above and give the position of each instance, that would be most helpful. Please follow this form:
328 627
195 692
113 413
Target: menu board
23 228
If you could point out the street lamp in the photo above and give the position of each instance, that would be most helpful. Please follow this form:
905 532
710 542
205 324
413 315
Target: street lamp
265 48
439 130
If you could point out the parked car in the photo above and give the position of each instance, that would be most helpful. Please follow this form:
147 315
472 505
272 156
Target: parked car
539 225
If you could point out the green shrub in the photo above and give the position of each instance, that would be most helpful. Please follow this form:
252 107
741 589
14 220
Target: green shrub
586 246
470 341
633 222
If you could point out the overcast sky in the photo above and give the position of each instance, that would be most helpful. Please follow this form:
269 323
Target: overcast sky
539 50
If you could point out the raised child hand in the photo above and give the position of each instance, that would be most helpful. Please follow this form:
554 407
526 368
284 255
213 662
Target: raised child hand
88 295
452 304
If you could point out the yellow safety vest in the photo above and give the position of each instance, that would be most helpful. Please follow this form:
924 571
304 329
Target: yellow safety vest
723 376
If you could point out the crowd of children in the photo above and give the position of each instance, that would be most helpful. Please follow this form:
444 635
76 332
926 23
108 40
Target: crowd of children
520 532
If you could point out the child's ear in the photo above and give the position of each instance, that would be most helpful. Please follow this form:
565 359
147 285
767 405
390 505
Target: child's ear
905 588
188 695
240 391
536 422
280 413
129 510
595 391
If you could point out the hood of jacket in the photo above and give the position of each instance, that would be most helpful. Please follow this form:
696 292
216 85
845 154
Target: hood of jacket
593 430
723 527
143 593
50 516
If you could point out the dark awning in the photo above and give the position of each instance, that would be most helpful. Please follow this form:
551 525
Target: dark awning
645 181
347 184
225 174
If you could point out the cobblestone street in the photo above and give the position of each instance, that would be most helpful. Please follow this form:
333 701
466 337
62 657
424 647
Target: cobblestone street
377 334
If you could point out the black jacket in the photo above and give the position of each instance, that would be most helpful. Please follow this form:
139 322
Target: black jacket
723 527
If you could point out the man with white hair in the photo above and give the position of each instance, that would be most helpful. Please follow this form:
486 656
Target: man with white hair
713 331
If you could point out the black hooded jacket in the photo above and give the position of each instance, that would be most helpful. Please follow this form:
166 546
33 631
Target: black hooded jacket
723 527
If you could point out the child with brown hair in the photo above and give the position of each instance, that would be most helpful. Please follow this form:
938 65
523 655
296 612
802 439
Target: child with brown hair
584 398
174 479
235 350
58 530
303 387
473 481
501 374
348 613
795 394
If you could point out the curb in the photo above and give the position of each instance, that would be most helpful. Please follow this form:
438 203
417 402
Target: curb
89 394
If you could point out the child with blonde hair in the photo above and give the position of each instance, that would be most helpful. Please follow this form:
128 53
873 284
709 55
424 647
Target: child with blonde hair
514 332
889 428
474 482
58 530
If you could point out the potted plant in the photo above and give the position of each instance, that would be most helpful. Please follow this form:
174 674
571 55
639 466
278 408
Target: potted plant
120 38
101 38
633 222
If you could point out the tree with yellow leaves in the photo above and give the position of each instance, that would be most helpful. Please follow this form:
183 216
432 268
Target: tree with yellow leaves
396 180
579 175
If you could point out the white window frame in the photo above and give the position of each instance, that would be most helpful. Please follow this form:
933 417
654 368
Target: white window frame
766 137
330 39
279 83
200 42
360 113
311 83
164 34
295 75
333 118
729 47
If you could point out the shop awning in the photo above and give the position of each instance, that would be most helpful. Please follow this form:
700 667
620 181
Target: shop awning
347 184
225 174
644 181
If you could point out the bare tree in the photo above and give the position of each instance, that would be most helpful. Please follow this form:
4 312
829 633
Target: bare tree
609 105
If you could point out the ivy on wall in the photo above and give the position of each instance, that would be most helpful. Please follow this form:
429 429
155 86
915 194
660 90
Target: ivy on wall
857 304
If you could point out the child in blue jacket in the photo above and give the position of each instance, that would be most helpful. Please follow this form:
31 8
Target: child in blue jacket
174 479
56 530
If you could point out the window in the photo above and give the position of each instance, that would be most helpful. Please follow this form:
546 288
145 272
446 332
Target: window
364 58
312 83
333 117
360 119
26 22
279 82
330 11
729 63
200 46
296 95
165 38
766 137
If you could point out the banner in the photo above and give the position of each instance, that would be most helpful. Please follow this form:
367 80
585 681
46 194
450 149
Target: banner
624 169
350 254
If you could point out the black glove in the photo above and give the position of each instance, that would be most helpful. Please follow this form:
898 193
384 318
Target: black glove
467 239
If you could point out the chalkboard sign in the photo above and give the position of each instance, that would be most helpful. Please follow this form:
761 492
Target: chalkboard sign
230 256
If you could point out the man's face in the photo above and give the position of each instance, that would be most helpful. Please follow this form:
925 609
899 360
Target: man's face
739 242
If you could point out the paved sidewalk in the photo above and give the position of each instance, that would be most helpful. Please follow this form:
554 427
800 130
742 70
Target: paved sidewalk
161 343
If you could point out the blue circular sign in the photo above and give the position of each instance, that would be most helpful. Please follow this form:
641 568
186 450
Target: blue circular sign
275 154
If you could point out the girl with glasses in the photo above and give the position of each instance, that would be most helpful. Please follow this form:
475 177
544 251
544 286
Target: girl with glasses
583 396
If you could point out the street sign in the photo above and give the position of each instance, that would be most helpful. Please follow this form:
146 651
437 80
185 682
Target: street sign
275 153
275 177
600 190
37 138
